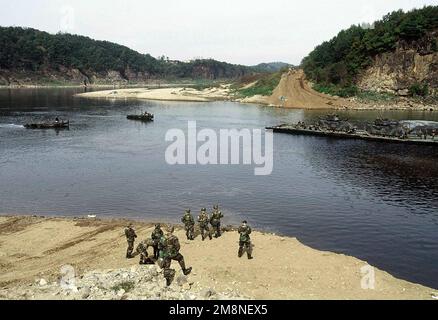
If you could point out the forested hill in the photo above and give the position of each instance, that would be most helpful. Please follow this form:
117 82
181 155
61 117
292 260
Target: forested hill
397 53
271 67
29 55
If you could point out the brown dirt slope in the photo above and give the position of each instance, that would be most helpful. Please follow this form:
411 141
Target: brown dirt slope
294 91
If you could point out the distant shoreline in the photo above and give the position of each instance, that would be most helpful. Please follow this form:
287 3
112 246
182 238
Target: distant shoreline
92 86
187 94
177 93
283 268
292 92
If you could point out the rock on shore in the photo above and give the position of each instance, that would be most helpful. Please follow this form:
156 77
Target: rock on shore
135 283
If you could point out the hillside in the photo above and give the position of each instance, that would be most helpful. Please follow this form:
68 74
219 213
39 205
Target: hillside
271 66
397 54
29 56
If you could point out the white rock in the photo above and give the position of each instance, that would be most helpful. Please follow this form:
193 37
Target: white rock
207 293
85 292
186 286
181 280
96 285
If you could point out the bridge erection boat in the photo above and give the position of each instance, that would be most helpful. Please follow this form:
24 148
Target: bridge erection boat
383 130
49 125
144 117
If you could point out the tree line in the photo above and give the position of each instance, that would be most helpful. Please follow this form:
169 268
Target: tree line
32 50
334 65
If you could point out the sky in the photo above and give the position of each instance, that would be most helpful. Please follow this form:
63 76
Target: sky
238 31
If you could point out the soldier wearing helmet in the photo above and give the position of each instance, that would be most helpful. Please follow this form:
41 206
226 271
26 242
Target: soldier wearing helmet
245 240
189 224
156 236
142 250
215 221
170 248
203 220
130 237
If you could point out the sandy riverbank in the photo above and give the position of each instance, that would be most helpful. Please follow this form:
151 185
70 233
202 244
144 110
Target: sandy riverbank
33 248
293 92
164 94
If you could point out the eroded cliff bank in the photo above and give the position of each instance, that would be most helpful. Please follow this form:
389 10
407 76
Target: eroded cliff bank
411 63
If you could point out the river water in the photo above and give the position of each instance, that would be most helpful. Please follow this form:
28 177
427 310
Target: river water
371 200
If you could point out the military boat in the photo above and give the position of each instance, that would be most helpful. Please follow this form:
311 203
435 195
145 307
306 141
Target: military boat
384 130
145 117
48 125
333 122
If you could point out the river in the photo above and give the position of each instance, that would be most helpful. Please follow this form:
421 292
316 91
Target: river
371 200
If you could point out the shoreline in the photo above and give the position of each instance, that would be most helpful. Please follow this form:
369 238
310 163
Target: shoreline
223 93
283 268
293 92
178 93
95 86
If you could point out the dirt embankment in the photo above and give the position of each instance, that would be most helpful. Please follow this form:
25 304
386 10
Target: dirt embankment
295 92
34 248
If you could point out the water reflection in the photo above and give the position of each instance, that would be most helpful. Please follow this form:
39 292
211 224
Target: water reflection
375 201
402 173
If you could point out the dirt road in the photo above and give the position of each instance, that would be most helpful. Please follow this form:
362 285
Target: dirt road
295 92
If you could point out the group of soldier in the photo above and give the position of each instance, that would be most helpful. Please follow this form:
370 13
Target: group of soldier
204 220
167 247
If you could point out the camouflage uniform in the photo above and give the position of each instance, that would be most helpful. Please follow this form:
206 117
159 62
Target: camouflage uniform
215 221
142 249
156 236
130 237
189 225
170 247
203 220
245 240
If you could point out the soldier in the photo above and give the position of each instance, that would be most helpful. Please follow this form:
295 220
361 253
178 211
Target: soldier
156 236
189 225
215 221
170 247
142 250
130 237
245 240
203 220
